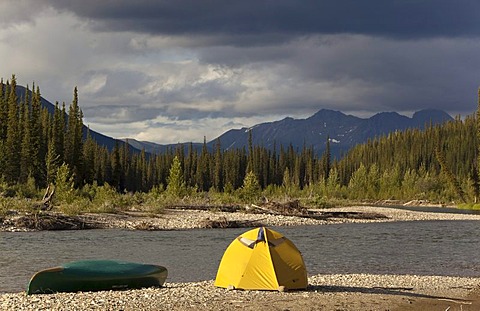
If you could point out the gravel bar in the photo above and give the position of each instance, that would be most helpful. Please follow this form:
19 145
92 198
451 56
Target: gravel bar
325 292
191 219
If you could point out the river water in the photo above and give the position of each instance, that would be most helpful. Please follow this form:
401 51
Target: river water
421 247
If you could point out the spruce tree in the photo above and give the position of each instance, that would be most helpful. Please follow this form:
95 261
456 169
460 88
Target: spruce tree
175 181
326 160
89 159
250 160
26 151
449 175
203 168
38 139
13 140
3 111
58 131
116 167
52 162
125 158
142 171
218 171
3 126
251 188
287 180
73 142
189 166
478 140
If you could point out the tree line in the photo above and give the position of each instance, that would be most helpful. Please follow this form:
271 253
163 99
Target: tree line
438 163
35 143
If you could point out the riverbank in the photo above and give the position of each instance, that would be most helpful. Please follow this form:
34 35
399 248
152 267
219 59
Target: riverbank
182 219
194 219
325 292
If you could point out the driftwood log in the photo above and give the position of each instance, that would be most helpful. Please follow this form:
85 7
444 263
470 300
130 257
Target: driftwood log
223 223
46 203
53 221
290 208
220 208
293 208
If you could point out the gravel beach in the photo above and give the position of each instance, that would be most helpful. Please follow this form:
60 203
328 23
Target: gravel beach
325 292
188 219
182 219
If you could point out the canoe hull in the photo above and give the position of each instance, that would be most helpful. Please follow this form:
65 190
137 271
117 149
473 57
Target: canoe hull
96 275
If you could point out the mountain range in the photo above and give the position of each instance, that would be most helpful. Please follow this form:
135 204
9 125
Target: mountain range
343 131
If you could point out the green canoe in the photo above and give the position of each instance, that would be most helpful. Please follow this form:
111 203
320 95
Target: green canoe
96 275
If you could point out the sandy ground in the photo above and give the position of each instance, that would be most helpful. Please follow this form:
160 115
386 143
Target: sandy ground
325 292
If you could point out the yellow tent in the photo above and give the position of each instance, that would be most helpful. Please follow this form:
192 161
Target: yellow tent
262 259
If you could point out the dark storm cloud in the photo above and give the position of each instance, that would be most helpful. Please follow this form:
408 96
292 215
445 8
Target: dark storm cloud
385 74
390 18
153 67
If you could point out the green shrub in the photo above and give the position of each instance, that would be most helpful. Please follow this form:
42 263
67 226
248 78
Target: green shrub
16 204
471 206
79 206
6 190
65 192
106 200
250 191
27 190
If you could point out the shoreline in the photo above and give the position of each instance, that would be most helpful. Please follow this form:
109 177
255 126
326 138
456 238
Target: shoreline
184 219
324 292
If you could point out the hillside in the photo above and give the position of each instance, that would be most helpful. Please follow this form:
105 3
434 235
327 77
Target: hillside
401 161
420 161
101 139
344 131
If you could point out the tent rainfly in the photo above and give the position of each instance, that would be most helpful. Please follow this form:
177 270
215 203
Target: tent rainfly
262 259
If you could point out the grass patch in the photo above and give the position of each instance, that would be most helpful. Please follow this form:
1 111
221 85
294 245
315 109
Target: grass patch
470 206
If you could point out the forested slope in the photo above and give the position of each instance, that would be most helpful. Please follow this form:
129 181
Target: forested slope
38 148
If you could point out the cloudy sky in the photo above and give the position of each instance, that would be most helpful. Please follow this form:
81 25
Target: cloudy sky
176 71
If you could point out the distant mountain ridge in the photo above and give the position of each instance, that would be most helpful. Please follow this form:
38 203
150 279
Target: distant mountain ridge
343 131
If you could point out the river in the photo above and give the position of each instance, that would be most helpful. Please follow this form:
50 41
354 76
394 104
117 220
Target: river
421 247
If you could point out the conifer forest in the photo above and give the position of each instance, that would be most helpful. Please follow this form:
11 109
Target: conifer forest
40 149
